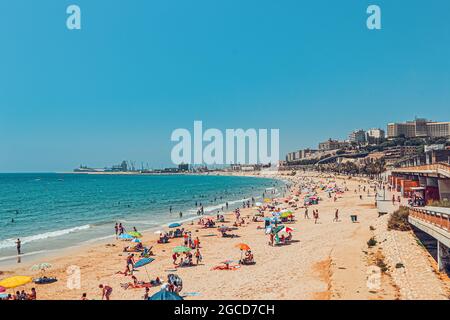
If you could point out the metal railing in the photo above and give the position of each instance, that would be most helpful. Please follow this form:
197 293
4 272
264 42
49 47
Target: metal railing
441 167
439 219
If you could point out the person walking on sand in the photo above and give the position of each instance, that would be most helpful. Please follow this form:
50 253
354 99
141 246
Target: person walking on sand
18 246
306 213
198 256
106 291
316 216
336 216
116 228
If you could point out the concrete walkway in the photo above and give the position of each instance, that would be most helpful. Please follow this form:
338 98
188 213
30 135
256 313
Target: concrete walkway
412 268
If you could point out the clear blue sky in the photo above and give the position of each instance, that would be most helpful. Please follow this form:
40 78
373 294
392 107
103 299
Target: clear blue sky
139 69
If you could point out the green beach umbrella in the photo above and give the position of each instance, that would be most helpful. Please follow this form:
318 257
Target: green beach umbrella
181 249
135 234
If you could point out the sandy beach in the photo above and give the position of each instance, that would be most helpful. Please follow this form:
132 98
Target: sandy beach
325 260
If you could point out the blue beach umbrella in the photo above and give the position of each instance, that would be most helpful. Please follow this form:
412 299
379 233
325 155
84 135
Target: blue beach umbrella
125 236
165 295
143 262
3 295
174 225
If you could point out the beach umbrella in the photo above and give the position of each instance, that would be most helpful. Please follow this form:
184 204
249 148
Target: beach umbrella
165 295
174 225
125 236
181 249
243 246
286 214
41 266
287 229
2 289
142 263
3 295
277 229
16 281
135 234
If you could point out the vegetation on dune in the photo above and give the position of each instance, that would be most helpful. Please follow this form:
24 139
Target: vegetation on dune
399 220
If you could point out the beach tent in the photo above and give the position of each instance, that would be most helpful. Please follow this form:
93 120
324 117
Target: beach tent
165 295
16 281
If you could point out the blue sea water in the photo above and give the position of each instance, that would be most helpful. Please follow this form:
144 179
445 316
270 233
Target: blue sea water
53 211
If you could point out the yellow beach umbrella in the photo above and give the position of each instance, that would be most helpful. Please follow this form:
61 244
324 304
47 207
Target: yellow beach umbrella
16 281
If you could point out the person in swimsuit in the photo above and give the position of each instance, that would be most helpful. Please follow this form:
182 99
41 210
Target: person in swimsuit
106 291
18 246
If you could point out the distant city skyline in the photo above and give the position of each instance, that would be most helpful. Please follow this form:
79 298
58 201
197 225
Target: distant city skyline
117 88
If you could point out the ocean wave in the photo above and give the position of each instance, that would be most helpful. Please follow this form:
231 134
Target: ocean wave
219 206
8 243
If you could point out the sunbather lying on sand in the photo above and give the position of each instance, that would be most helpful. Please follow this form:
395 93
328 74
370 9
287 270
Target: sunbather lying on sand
141 284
